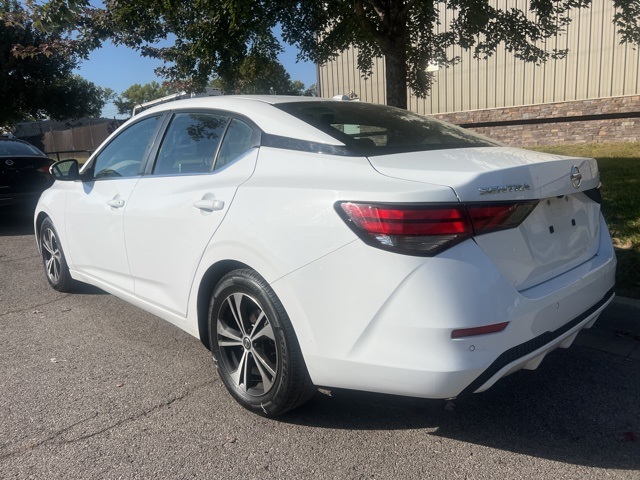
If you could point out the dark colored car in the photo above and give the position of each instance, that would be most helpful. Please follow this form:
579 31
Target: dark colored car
24 172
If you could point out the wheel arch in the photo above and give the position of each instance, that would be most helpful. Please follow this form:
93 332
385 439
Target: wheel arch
210 279
38 225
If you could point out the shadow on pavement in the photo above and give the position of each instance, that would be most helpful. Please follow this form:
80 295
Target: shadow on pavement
16 221
580 407
86 289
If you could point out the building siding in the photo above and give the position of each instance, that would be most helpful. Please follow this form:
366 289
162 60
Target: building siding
597 66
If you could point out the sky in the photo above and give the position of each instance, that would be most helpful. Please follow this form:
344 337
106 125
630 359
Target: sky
118 68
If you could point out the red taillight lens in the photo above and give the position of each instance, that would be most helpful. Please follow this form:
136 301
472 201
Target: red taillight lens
410 229
498 216
400 220
44 169
427 229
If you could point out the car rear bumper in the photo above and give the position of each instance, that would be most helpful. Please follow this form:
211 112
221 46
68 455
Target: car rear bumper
387 328
529 355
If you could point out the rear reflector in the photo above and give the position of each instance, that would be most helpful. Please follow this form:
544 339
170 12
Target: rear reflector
427 229
484 330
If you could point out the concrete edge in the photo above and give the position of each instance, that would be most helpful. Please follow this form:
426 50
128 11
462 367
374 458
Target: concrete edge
621 317
627 302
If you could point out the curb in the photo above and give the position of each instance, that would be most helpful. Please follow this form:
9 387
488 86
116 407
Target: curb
622 315
617 330
627 302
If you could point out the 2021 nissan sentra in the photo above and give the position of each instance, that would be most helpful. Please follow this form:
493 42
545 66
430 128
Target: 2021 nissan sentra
313 242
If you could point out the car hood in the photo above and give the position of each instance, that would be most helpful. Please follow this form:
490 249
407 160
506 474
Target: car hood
492 173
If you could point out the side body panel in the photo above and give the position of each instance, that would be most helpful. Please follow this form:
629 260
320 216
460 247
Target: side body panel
94 227
169 222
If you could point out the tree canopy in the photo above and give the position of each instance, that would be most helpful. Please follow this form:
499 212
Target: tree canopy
257 75
216 36
36 79
137 94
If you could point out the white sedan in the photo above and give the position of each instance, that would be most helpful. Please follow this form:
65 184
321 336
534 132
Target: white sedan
311 242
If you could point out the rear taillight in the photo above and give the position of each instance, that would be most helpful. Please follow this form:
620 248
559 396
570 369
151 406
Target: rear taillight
410 229
428 229
490 217
44 169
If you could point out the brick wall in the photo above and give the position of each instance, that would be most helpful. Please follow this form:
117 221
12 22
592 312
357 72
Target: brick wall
585 121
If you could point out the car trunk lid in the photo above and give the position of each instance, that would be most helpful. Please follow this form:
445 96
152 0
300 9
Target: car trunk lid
559 234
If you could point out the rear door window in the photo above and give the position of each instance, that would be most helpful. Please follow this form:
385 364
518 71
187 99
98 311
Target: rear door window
237 140
190 143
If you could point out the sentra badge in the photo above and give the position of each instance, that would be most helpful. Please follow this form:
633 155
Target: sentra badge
521 187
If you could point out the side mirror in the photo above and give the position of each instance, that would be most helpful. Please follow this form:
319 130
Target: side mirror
66 170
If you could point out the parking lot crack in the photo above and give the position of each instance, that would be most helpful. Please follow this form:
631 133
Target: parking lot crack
54 438
138 415
33 307
46 440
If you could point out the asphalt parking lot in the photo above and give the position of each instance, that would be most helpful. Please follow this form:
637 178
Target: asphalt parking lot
91 387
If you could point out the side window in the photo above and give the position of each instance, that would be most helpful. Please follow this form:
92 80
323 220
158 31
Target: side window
190 144
238 140
125 153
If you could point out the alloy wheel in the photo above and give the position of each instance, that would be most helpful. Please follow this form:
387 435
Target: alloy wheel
247 344
52 255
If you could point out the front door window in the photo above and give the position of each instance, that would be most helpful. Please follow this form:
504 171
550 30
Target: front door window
124 155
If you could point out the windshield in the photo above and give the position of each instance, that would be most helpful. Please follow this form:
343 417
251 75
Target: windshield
379 130
12 147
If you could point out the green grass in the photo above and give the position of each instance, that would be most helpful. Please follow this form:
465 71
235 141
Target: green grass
619 165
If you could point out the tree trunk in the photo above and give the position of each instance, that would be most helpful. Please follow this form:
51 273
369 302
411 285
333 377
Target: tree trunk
396 75
391 33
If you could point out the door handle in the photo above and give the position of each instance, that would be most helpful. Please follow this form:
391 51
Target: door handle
116 203
209 205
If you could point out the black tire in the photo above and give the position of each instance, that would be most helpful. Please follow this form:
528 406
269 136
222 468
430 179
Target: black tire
53 259
254 346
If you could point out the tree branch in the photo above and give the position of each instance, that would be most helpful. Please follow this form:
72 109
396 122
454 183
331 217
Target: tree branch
407 8
378 7
368 26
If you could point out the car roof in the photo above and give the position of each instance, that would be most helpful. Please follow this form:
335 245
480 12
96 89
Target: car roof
261 109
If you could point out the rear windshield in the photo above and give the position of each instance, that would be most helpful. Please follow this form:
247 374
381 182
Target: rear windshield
11 147
378 129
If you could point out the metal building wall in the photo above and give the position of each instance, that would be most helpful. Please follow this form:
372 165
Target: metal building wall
597 66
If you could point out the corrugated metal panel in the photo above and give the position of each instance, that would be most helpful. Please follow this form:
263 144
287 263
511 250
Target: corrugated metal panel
597 66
